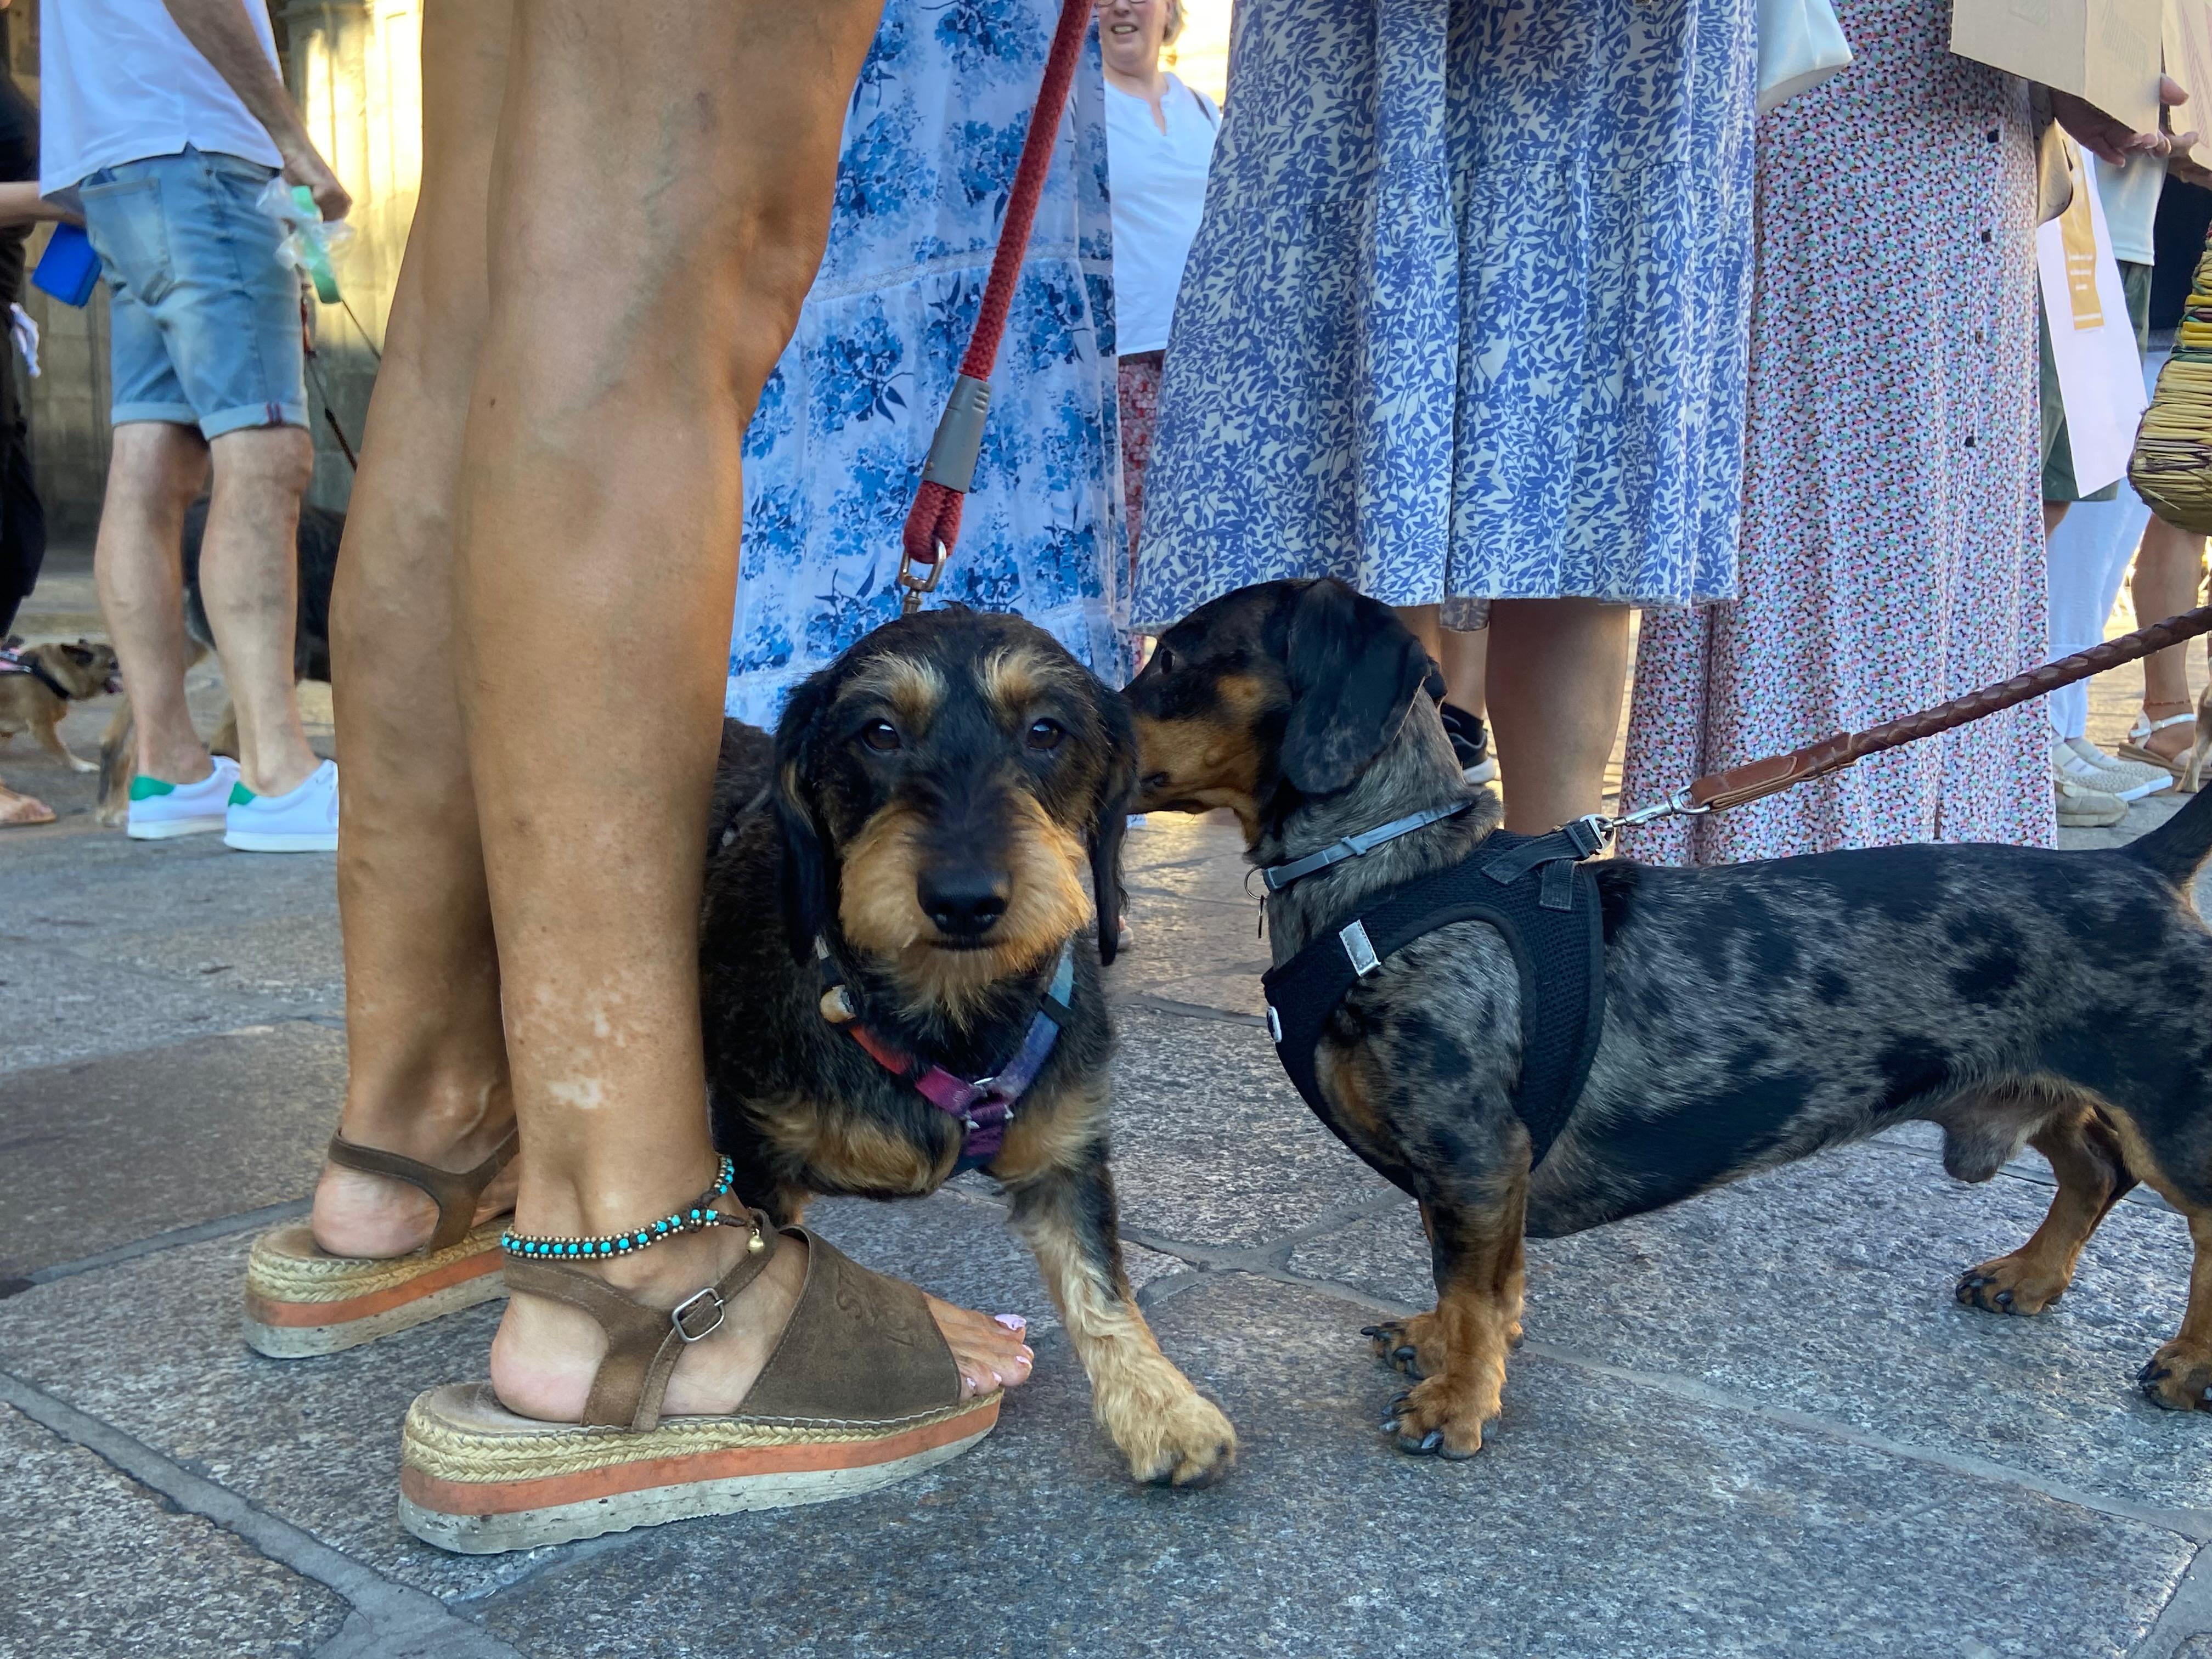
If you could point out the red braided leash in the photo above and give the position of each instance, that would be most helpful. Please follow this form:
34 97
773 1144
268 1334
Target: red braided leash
933 525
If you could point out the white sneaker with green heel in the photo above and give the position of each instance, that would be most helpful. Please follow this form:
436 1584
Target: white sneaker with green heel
302 820
160 812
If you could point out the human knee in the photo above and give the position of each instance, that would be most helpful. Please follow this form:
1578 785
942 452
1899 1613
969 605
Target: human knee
156 465
266 461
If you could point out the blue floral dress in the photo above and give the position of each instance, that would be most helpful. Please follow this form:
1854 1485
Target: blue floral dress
1466 317
835 448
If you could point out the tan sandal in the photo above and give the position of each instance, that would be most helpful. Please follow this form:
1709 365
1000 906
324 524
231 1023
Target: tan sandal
2137 747
860 1392
301 1301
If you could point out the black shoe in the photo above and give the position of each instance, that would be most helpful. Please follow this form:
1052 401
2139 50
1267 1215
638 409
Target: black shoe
1470 742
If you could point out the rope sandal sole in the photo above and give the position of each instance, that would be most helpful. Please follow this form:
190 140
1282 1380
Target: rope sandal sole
300 1301
861 1391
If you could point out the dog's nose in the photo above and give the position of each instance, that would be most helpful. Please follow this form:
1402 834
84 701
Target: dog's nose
964 904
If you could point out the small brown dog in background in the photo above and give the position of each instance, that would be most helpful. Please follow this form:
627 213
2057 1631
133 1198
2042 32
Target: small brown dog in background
39 701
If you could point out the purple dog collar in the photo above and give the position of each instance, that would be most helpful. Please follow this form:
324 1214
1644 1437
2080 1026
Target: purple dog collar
985 1107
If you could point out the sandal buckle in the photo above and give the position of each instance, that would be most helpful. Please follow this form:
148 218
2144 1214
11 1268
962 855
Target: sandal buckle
682 1317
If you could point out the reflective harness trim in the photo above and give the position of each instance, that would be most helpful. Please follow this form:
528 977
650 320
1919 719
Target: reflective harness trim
985 1107
1541 893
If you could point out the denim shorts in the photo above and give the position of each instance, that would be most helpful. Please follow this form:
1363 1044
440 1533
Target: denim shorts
204 320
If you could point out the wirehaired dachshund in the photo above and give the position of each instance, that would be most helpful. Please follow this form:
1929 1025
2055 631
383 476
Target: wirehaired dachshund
1754 1013
894 883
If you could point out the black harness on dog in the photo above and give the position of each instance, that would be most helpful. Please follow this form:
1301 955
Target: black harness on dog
1535 889
12 662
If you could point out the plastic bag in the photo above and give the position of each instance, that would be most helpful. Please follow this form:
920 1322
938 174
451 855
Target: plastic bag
309 240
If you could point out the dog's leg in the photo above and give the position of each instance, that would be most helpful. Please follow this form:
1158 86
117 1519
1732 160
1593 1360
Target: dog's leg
1167 1430
119 766
1415 1344
1477 1253
2179 1377
48 731
225 740
2093 1176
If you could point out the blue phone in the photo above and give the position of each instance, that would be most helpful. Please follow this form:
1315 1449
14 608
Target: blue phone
69 269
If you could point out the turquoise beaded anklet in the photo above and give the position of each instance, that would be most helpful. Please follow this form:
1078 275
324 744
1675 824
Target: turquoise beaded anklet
699 1214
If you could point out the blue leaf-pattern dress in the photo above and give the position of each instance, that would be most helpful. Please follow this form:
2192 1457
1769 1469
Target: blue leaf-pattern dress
1466 317
835 448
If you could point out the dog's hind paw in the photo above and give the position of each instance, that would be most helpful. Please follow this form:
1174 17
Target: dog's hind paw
2010 1284
1440 1417
2179 1377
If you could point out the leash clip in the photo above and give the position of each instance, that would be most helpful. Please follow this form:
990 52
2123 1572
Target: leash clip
1676 805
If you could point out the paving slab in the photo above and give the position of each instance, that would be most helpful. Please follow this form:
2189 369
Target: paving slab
1213 1144
99 1568
1827 1288
1729 1538
316 1441
57 1006
183 1134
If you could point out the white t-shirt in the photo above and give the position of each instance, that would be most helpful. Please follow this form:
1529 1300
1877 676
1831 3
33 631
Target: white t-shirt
2130 195
1157 185
118 82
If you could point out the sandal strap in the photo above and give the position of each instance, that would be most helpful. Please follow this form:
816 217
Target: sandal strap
860 1348
454 1193
643 1342
2144 725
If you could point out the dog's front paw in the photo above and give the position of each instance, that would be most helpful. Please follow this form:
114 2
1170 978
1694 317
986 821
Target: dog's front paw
2015 1283
1172 1437
1442 1417
1412 1346
2179 1377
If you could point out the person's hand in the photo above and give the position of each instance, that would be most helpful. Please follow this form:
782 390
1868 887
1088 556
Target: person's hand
304 166
2112 141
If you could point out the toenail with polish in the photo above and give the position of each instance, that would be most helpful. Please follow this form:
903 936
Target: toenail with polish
1012 1321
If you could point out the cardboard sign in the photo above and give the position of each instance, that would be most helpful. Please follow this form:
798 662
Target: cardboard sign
2104 50
2093 343
2189 58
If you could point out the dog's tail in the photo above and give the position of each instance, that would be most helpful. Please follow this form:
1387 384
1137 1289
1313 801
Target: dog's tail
2177 847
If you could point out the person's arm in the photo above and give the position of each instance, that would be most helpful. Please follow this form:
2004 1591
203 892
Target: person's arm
22 205
225 36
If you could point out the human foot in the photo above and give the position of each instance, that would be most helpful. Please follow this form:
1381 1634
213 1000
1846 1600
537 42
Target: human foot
2165 731
374 1217
546 1354
16 809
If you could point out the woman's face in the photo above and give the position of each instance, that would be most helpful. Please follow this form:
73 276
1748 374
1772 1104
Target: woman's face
1129 35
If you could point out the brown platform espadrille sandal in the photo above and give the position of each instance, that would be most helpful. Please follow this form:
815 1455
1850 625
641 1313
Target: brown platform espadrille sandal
301 1301
861 1391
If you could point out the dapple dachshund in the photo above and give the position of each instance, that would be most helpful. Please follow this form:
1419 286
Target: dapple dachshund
895 885
1754 1013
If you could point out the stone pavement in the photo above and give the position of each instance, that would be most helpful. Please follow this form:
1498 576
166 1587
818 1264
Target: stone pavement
1754 1424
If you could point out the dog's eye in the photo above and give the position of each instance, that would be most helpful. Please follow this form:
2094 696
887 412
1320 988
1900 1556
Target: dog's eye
1046 734
1163 659
880 735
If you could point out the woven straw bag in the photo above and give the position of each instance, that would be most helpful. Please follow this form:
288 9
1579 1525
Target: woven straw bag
2171 467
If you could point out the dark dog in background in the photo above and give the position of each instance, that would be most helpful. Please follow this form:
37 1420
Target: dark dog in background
320 531
927 815
1754 1013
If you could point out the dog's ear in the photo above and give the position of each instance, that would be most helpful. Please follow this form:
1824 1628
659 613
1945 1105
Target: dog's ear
1117 793
1355 669
808 879
80 653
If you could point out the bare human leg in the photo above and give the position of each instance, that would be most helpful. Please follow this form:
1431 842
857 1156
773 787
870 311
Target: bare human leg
426 1059
1557 669
1464 657
661 194
249 581
138 567
2168 575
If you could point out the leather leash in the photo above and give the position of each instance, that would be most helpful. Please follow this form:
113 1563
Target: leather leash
933 525
1716 792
